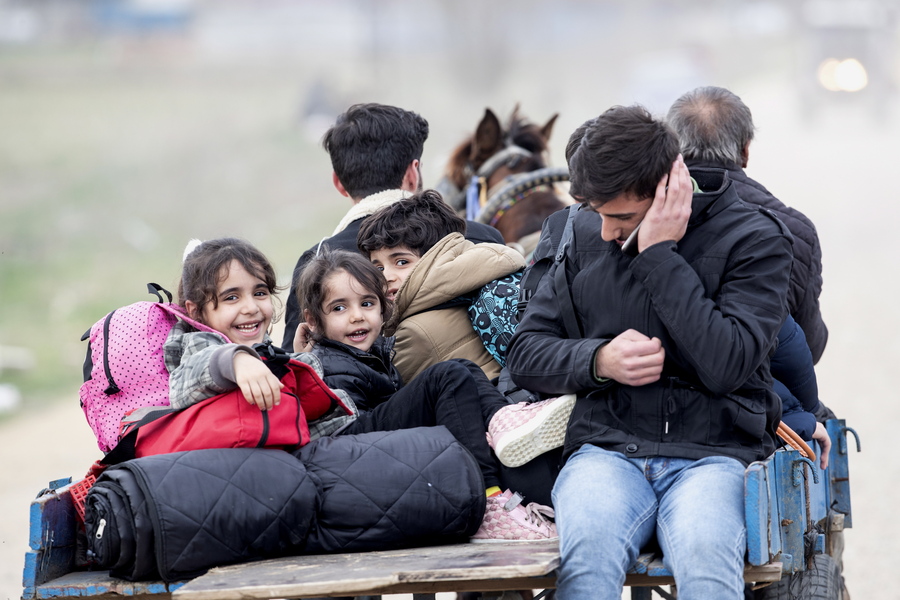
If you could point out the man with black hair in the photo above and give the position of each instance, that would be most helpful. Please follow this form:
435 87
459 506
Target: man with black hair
715 128
376 153
667 348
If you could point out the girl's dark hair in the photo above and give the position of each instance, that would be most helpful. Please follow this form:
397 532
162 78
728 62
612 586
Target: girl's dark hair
207 265
311 289
418 223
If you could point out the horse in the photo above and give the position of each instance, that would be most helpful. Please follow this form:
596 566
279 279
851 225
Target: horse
499 176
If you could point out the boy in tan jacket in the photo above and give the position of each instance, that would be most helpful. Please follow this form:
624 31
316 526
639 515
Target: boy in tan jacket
434 275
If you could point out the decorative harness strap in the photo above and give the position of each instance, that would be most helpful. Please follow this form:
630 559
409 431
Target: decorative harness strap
518 187
513 200
457 198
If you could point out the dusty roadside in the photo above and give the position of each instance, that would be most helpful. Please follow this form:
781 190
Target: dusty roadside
36 448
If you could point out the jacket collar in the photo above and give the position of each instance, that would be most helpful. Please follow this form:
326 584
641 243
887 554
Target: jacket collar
369 205
381 349
716 193
695 163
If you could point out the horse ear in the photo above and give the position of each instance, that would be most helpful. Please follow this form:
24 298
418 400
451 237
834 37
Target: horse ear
547 129
514 116
488 138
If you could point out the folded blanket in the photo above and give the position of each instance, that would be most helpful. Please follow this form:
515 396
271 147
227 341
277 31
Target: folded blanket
174 516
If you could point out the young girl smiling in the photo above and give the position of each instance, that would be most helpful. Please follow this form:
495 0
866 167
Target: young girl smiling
228 285
344 304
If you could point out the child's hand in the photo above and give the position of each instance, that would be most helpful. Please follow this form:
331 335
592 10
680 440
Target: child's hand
303 342
821 436
257 383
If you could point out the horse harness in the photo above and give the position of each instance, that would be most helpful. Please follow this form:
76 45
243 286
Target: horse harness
509 157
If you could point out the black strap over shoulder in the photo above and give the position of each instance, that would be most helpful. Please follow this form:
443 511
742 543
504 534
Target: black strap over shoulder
564 297
560 240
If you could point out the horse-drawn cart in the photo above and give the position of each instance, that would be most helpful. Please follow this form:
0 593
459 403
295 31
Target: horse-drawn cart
795 518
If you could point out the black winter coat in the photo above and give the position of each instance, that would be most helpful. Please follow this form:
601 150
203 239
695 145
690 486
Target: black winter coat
806 272
370 378
716 300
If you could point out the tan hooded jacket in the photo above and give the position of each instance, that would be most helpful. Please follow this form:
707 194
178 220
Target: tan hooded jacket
453 267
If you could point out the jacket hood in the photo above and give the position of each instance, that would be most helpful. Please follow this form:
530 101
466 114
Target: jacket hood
451 268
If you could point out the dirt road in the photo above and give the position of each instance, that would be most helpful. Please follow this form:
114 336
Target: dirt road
36 448
839 174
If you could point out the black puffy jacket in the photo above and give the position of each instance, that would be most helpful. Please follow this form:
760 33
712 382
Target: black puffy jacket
716 300
806 272
369 377
174 516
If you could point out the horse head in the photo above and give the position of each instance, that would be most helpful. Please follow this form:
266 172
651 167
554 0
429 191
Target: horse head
493 159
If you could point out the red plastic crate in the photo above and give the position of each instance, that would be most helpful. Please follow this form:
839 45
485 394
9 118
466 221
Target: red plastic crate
79 492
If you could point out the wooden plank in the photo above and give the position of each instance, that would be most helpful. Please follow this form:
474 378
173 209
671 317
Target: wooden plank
98 585
316 576
752 574
457 567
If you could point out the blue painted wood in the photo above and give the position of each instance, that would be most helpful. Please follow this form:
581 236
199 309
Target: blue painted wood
756 513
96 583
792 504
839 468
52 520
58 483
641 564
818 492
776 544
52 528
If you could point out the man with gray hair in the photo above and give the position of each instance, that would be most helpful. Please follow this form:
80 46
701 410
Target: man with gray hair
715 129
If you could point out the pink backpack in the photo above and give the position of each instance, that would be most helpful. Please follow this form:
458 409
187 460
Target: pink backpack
125 367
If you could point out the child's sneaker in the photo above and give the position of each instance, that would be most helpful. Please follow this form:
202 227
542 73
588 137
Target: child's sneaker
507 520
520 432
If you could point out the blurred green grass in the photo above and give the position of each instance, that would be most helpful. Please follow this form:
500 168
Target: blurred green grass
109 165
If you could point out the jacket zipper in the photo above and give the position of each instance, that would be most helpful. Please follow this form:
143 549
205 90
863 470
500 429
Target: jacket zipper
670 407
112 388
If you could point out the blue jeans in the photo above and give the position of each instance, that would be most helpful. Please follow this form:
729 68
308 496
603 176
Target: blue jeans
609 506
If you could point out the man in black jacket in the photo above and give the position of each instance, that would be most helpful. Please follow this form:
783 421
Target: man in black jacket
375 152
715 128
667 347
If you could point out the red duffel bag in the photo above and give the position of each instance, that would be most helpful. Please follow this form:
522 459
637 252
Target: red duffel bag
229 421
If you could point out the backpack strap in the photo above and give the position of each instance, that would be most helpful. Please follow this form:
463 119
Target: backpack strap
560 240
176 310
155 288
564 297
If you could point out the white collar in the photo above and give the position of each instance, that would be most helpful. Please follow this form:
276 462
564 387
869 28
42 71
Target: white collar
369 205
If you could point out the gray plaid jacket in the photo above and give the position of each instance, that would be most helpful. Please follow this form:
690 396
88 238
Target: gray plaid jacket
200 366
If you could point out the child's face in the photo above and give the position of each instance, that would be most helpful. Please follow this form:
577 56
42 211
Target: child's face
244 310
351 313
396 264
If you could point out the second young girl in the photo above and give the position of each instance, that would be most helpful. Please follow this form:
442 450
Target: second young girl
343 298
